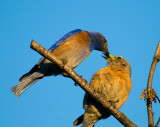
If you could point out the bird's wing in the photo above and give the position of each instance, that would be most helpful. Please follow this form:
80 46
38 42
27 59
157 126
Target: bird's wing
62 39
106 82
114 84
34 69
52 48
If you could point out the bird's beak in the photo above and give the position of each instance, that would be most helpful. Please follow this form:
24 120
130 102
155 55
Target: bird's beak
112 57
106 56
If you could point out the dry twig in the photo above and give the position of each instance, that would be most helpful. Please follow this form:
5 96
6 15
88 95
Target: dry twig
150 94
157 123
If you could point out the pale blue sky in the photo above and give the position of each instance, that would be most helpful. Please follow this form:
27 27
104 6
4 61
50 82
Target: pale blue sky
131 28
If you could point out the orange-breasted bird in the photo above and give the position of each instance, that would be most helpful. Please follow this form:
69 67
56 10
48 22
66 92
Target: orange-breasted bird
113 83
72 49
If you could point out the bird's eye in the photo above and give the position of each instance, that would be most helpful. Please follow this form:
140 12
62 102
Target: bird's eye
104 40
119 58
123 65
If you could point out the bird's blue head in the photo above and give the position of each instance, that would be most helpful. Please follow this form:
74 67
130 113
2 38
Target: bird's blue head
98 42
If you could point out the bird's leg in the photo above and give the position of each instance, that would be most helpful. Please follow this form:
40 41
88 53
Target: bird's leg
64 73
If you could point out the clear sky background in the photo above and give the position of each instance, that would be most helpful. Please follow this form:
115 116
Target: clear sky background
132 29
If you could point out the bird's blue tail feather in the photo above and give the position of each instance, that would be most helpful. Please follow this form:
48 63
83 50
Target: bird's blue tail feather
26 83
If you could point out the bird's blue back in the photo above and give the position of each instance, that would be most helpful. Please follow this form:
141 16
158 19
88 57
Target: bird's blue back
62 39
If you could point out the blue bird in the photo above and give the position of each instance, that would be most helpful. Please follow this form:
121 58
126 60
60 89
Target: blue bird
72 49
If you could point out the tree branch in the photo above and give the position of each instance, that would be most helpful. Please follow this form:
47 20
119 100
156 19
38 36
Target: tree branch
157 123
83 84
150 95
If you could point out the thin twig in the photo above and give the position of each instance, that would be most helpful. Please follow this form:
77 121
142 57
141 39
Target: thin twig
157 123
149 86
83 84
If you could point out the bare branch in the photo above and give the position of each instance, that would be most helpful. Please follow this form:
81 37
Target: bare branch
157 123
149 86
153 66
83 84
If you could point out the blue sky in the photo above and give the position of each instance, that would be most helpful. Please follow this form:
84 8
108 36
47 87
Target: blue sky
132 31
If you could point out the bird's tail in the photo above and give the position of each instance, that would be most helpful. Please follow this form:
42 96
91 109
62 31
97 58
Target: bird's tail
26 83
78 121
89 120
